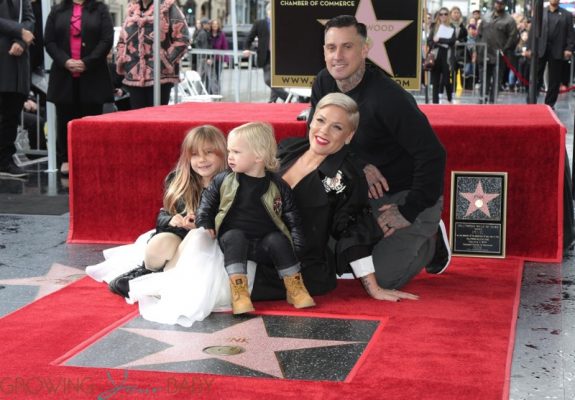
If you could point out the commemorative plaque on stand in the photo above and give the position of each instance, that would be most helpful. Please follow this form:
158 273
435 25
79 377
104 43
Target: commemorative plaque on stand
478 213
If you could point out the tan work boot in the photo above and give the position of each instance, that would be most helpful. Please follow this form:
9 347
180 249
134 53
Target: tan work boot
241 302
297 294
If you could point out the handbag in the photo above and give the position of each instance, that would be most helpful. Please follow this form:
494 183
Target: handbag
429 61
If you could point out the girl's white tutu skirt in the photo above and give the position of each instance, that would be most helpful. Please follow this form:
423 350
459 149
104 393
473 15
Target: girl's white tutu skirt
189 291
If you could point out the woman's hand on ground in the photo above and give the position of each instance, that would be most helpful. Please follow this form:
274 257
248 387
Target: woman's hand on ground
377 292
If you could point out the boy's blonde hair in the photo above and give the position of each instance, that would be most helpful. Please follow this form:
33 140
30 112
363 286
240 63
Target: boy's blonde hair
261 140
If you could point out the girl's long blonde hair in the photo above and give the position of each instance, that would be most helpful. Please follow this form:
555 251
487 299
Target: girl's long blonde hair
187 184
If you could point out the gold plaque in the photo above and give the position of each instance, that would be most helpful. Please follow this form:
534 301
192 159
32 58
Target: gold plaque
224 350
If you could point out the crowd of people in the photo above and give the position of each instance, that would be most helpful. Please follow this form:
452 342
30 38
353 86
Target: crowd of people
87 75
501 40
79 36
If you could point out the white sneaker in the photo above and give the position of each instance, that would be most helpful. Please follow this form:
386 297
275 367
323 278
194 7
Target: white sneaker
442 256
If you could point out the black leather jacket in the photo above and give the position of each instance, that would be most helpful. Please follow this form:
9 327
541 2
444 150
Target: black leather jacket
164 217
218 198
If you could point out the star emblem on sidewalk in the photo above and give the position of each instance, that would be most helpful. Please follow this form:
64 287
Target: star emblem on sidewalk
259 348
478 200
55 279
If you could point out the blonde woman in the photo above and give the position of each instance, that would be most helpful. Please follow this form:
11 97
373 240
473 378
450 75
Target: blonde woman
441 39
252 212
460 37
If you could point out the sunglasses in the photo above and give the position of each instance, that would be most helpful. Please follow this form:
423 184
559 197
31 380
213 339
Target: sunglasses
443 14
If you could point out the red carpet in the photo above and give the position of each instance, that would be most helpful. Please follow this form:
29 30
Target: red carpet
454 343
118 162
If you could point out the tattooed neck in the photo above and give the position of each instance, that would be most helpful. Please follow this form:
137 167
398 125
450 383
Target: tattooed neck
345 85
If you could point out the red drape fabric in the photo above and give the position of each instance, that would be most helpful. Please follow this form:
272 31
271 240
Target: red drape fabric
118 163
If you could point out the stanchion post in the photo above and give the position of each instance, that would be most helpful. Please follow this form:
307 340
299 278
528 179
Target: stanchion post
156 53
534 38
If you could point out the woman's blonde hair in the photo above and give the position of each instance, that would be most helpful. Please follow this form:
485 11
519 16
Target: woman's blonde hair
261 140
438 20
344 102
186 183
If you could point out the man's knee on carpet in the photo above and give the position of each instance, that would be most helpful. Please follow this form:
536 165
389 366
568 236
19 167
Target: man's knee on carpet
401 256
398 259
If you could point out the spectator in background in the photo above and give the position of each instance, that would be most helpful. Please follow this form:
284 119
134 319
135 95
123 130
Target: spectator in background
555 45
219 42
476 15
16 27
460 39
203 41
442 39
135 60
197 30
79 34
37 48
261 30
522 61
470 70
499 31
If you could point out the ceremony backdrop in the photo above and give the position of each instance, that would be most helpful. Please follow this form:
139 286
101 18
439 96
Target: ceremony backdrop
118 163
393 27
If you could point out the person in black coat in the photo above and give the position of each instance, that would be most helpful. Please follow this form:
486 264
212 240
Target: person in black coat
444 46
261 30
16 26
37 48
459 50
555 45
331 194
78 36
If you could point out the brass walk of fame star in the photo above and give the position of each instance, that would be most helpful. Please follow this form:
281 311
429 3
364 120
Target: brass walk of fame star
55 279
478 200
251 335
379 31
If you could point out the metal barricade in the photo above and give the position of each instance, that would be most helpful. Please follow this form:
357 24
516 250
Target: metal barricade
22 142
472 71
225 72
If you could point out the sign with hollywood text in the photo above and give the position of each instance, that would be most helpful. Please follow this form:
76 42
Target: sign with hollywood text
478 213
297 31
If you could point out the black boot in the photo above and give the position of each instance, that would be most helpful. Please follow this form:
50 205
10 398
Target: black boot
121 284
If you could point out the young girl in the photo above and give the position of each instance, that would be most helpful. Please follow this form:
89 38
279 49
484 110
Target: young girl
202 156
252 211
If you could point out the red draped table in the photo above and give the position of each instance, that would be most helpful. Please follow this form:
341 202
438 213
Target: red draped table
118 162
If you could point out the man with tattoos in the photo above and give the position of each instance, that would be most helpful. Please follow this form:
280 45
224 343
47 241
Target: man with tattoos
402 158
